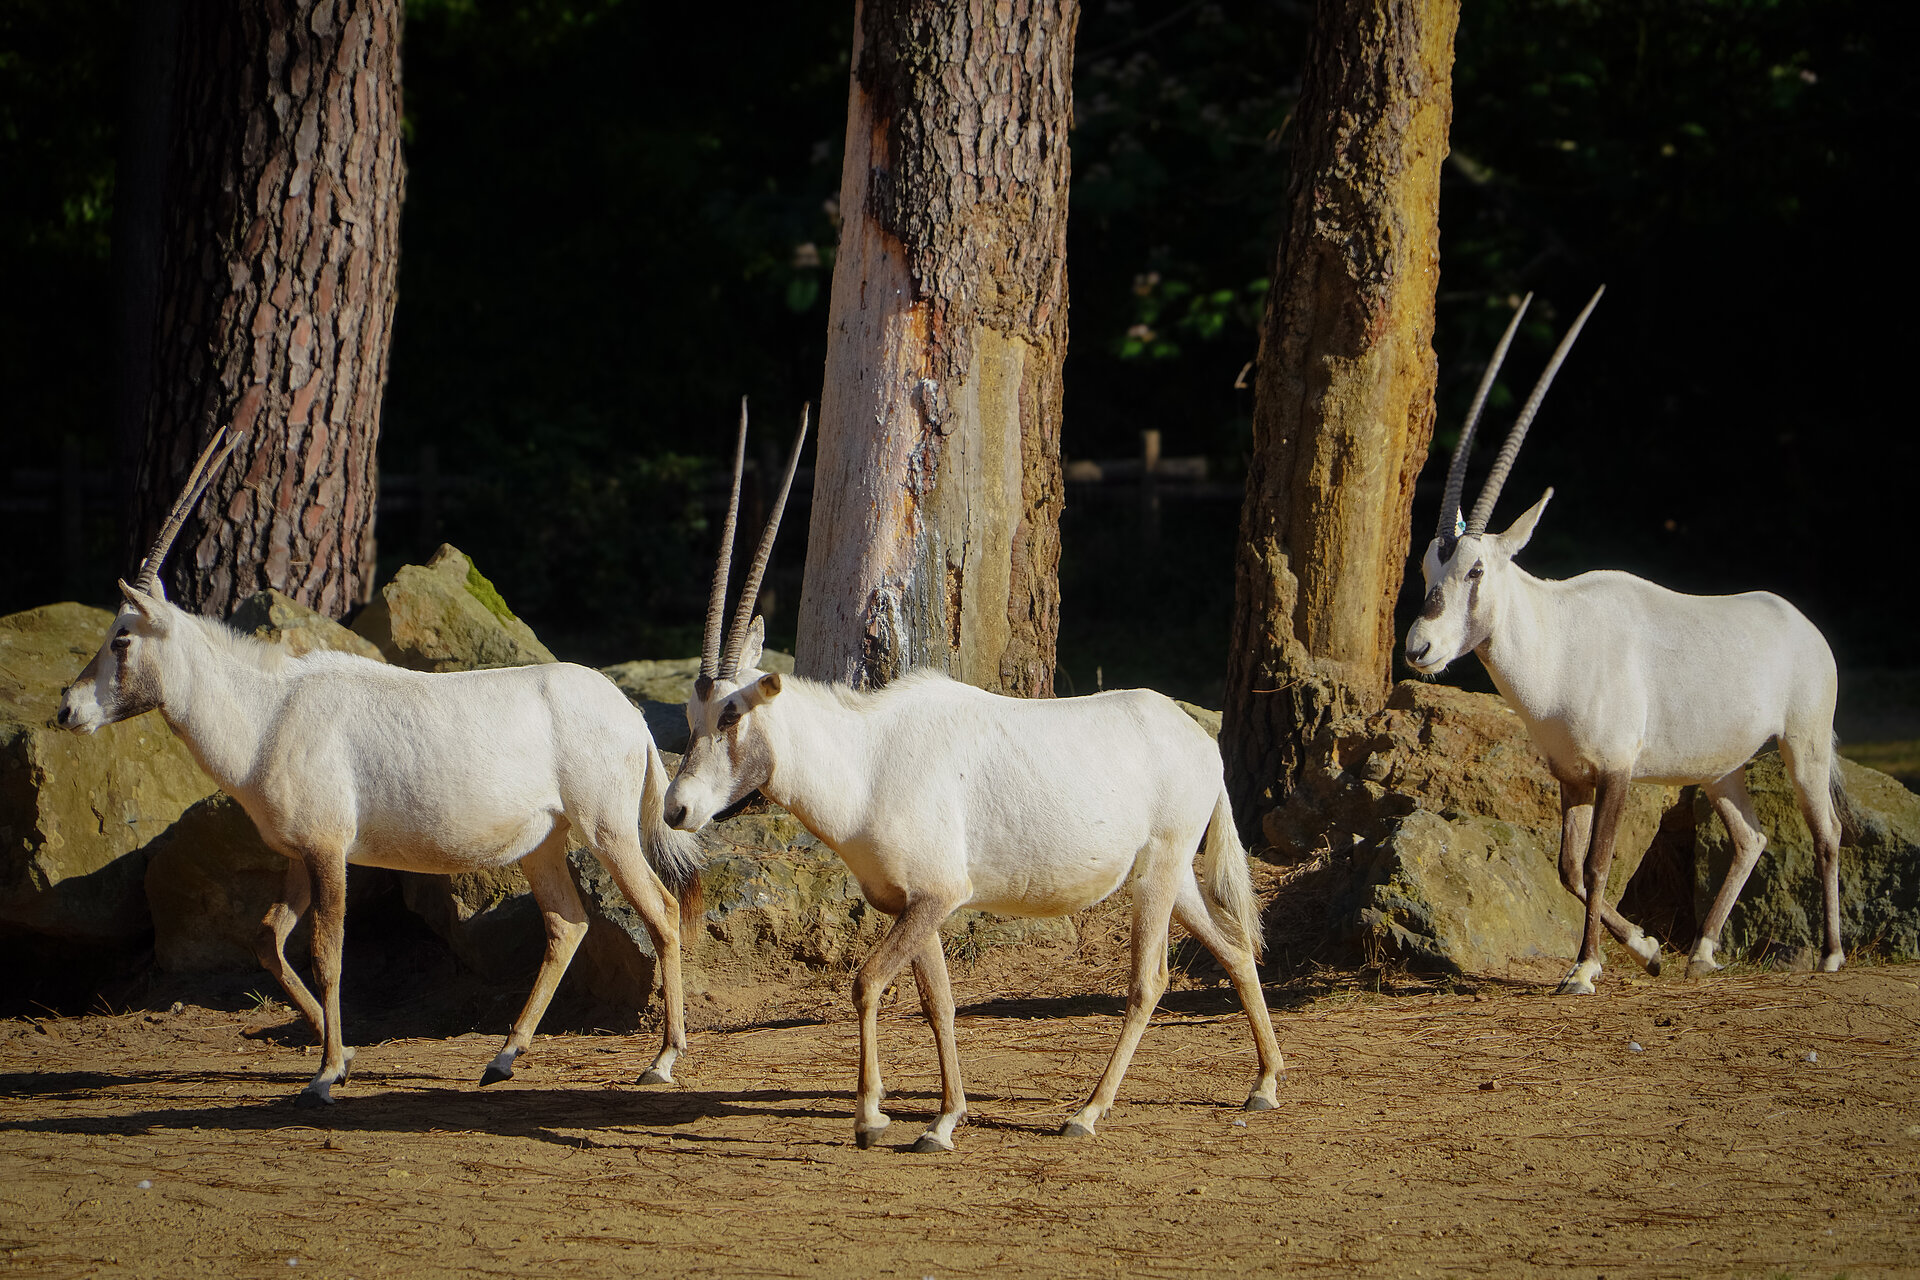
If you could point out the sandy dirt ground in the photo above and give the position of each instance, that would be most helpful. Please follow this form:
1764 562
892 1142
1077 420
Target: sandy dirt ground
1766 1125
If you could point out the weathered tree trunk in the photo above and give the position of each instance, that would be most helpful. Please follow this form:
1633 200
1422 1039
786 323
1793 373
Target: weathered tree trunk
276 298
1343 409
935 536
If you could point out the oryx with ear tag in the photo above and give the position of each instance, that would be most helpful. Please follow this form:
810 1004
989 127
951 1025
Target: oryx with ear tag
940 796
1620 680
339 759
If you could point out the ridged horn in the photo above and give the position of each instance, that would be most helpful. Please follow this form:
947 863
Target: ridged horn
717 600
205 467
1490 493
750 590
1457 470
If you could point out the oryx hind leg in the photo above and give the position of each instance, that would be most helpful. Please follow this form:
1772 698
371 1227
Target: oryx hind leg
1576 831
936 1000
565 920
296 892
1190 909
1153 898
618 848
911 933
329 874
1735 807
1810 763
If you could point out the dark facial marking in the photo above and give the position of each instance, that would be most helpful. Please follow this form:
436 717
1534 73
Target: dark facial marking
703 688
1435 606
1449 543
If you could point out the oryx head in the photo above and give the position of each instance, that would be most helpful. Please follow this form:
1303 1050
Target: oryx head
1464 563
123 679
728 755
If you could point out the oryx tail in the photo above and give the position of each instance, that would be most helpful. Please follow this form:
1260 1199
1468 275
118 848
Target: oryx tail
1225 882
675 855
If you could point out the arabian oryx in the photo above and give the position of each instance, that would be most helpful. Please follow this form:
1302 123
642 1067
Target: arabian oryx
339 759
939 796
1619 680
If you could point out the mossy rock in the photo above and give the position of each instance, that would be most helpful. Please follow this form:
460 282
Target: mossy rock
446 616
78 812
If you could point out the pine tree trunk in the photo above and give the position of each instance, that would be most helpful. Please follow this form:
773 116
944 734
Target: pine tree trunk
276 300
935 536
1343 408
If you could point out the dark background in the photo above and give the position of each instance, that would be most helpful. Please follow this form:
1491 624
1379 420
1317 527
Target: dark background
606 242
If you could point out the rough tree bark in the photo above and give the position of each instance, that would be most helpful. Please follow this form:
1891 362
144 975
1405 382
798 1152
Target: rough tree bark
276 299
1343 408
935 535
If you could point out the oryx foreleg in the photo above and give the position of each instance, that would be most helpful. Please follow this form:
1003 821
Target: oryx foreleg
1735 807
1576 830
619 850
329 873
1610 799
566 925
1153 899
282 918
936 1000
910 934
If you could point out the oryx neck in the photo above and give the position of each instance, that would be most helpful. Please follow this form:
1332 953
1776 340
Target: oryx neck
821 736
216 693
1519 634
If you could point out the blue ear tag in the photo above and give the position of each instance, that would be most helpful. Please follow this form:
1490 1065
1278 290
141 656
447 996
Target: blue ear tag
1459 524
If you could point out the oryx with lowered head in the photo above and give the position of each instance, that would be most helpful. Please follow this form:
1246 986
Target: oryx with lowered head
1620 680
339 759
939 796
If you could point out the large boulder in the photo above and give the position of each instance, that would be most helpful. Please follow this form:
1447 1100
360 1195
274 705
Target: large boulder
487 918
78 812
660 687
446 616
1779 912
1439 825
209 882
270 616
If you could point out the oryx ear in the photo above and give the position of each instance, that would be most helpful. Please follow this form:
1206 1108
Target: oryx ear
763 690
1521 531
148 605
756 637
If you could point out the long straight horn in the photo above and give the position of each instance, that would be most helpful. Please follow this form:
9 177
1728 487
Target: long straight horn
750 593
1457 470
1490 494
205 467
717 601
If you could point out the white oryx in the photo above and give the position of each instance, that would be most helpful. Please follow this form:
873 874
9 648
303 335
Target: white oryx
939 796
1620 680
339 759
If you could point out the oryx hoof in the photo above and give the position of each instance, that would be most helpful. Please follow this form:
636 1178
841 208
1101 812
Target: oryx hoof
314 1095
930 1142
1074 1129
1832 963
1574 987
1698 968
1653 967
654 1075
1259 1102
865 1138
501 1068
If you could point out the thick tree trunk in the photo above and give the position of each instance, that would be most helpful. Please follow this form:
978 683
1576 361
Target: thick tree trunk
1343 409
935 536
276 299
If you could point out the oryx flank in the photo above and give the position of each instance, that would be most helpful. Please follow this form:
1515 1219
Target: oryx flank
939 796
1621 680
339 759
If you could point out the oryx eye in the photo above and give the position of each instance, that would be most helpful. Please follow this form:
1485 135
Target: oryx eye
729 717
1477 570
122 641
